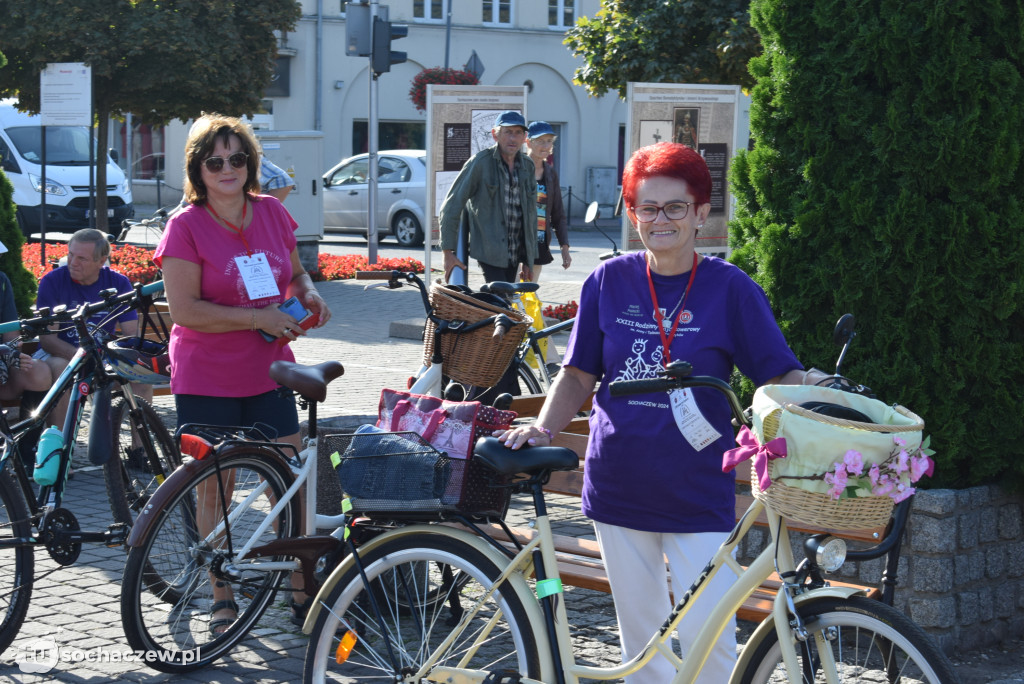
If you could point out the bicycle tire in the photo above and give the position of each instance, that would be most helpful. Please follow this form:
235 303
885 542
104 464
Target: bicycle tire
528 383
420 560
131 476
181 636
17 563
870 641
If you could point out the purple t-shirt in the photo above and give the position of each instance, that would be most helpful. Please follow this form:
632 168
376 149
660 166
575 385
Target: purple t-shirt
57 287
236 363
641 473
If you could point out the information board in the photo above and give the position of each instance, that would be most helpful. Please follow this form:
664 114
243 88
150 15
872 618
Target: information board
459 122
65 94
711 119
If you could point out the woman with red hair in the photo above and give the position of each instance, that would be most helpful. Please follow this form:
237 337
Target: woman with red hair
654 485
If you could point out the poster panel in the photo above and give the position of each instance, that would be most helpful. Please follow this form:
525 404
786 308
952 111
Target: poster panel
459 121
706 118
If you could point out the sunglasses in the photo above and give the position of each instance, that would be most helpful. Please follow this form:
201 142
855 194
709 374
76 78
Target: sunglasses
215 164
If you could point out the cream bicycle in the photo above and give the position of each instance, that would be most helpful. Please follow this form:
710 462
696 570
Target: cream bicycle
433 603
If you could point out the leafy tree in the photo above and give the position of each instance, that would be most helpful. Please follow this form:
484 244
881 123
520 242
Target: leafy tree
885 180
22 282
656 41
158 59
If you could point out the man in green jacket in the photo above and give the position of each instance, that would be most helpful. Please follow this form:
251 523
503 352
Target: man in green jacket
498 191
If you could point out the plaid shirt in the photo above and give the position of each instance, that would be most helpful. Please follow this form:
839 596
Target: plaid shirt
513 208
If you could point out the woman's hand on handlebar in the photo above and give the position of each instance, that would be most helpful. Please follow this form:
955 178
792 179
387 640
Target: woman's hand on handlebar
523 435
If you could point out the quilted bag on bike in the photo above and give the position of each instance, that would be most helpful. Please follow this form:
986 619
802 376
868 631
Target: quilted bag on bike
449 426
452 427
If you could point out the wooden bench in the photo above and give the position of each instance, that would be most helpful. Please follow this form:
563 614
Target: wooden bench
579 560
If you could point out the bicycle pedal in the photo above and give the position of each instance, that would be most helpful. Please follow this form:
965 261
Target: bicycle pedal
503 677
116 535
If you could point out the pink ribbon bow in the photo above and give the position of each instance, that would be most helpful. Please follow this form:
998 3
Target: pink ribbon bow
749 447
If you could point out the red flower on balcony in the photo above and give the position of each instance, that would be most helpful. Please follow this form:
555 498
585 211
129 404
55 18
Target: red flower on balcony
440 75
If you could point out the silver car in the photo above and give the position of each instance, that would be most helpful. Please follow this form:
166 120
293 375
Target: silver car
401 194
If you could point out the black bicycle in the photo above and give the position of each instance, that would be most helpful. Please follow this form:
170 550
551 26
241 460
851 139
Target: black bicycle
121 424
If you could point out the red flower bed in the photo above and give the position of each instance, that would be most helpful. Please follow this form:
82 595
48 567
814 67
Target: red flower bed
137 263
562 312
134 262
343 266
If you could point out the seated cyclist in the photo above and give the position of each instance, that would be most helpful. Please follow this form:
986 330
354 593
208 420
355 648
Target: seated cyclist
81 282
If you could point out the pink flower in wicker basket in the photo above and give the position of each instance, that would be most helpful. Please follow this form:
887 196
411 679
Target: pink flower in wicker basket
892 477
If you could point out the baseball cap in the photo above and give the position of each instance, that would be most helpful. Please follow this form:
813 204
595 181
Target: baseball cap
539 128
510 118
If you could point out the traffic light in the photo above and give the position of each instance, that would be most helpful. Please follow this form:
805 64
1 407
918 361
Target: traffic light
383 33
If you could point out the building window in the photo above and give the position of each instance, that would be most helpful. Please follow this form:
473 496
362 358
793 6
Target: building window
497 11
561 13
428 9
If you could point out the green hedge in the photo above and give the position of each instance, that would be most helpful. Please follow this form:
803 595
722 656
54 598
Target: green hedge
886 180
10 261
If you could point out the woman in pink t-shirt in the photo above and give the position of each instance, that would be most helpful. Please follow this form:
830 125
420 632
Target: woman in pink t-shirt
228 261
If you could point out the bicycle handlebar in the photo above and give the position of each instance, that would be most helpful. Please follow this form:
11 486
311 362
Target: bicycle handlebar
677 376
39 325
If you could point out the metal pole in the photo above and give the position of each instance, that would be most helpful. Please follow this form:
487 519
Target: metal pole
371 186
448 34
92 167
42 202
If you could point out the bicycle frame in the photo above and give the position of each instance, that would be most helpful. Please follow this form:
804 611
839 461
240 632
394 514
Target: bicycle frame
555 649
532 343
305 471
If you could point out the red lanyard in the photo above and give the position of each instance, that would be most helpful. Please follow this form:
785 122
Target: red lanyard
666 340
232 226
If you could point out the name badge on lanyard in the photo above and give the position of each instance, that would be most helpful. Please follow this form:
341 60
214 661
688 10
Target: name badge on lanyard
257 276
690 421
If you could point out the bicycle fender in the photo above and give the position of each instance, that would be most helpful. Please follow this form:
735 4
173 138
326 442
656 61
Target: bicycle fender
768 624
158 502
519 585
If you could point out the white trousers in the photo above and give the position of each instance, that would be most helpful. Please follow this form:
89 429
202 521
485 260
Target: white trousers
639 583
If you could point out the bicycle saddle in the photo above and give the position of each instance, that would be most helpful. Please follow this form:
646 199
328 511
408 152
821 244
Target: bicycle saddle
309 381
529 460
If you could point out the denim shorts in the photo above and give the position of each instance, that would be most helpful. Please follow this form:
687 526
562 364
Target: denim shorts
273 412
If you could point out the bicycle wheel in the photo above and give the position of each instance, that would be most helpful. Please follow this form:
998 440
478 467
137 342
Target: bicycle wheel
132 474
528 383
16 562
189 543
423 585
868 640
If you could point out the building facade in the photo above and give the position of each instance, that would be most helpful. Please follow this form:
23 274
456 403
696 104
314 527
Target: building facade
515 42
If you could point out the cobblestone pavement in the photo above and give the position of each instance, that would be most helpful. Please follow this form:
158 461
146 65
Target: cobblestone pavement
76 608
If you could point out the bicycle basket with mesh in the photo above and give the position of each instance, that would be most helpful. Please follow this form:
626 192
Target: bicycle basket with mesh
474 358
399 474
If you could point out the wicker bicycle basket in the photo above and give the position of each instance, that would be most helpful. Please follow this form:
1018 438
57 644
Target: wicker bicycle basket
475 358
819 508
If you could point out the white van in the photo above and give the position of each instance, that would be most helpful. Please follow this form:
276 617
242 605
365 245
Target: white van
67 175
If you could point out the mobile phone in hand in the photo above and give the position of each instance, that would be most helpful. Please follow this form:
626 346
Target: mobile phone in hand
306 318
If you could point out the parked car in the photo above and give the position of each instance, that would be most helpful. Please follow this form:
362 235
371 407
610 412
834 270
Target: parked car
401 195
67 174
